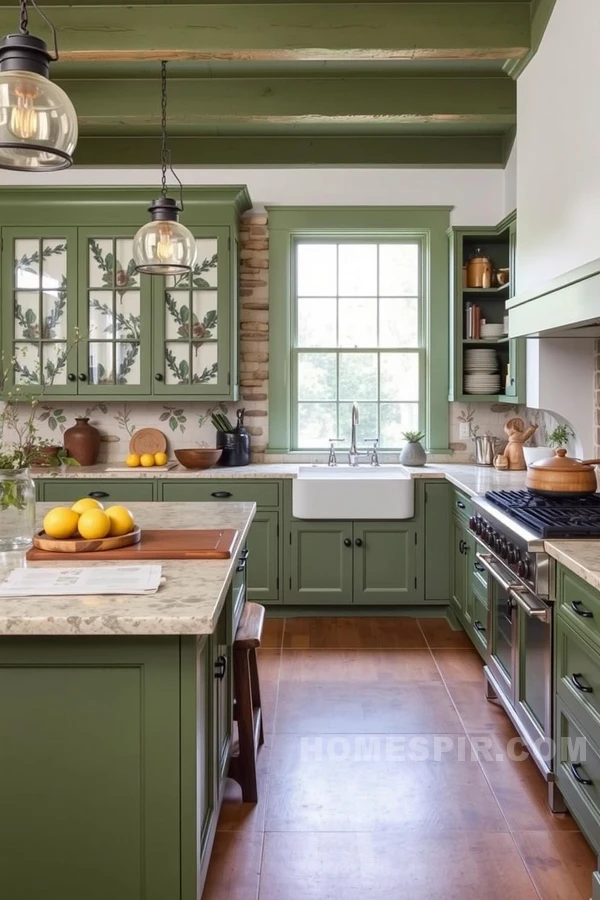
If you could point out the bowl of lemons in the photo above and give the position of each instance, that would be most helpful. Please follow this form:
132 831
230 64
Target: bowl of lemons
86 526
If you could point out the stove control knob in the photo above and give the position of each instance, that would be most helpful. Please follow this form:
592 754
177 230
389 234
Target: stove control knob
489 536
512 556
473 523
521 569
504 549
479 526
526 567
497 542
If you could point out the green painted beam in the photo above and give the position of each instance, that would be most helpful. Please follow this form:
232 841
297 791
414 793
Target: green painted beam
468 30
413 150
107 102
541 10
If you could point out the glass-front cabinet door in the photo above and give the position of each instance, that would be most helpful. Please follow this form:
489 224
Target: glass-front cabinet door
192 322
39 268
115 311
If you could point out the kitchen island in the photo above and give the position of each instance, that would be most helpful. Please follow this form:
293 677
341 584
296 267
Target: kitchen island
116 724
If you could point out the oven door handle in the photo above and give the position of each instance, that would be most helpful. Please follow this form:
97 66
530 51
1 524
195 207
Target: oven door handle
533 607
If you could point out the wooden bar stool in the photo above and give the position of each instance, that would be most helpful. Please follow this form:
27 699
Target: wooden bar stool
247 711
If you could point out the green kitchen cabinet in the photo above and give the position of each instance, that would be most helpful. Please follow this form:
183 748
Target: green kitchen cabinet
385 563
460 566
263 558
68 269
320 562
107 491
438 541
221 641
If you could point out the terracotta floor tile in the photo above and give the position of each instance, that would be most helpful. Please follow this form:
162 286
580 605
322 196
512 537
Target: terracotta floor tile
518 784
247 817
272 635
416 783
439 634
269 663
560 863
451 866
373 666
329 707
358 632
459 665
234 868
477 713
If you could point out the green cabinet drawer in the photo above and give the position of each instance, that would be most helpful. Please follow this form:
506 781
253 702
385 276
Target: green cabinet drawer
479 575
578 773
263 557
116 490
578 603
235 490
461 505
578 676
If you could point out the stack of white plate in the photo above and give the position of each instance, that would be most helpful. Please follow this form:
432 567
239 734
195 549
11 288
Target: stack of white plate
482 372
490 330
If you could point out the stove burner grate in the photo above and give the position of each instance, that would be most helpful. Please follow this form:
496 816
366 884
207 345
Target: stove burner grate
559 517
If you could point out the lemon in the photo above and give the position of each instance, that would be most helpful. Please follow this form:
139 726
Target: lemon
147 459
132 460
86 503
160 459
93 524
60 522
121 520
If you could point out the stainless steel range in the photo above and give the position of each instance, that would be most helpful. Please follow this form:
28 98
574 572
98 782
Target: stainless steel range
510 528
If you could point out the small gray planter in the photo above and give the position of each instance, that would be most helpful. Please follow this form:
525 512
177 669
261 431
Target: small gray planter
413 454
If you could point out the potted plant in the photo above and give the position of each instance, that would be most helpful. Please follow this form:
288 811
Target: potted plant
561 436
413 453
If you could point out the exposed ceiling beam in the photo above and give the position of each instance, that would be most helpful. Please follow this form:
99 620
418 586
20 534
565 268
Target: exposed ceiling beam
414 150
104 103
363 30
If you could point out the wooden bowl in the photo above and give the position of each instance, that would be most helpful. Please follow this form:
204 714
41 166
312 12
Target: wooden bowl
81 545
199 458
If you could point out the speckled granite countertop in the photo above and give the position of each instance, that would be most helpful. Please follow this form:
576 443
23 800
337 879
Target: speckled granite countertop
188 603
581 557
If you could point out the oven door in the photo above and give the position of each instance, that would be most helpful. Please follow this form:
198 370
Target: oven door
502 626
533 688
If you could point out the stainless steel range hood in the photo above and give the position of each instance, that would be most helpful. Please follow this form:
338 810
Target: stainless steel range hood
567 306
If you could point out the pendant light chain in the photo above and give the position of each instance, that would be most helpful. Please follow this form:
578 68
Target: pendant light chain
24 23
163 127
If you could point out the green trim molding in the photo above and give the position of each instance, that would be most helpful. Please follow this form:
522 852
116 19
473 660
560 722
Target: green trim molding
430 224
541 10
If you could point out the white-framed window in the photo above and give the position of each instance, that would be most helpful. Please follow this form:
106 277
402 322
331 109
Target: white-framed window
357 337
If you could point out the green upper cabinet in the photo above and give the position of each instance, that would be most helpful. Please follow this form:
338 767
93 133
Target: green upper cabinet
67 267
499 245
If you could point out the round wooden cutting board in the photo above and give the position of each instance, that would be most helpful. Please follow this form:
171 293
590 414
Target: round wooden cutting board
80 545
148 440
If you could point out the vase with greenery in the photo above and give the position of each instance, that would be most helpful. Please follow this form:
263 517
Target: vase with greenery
413 453
21 446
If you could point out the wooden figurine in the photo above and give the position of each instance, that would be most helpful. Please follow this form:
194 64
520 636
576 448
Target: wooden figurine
513 458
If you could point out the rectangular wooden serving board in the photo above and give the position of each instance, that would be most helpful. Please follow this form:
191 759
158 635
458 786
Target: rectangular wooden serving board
209 543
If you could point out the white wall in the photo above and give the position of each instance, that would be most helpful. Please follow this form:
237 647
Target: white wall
558 142
477 195
510 182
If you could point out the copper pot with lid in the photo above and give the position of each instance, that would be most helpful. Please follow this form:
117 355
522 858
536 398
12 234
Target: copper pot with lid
479 270
562 476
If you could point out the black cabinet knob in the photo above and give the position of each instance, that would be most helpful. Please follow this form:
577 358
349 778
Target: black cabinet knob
98 495
72 377
221 495
347 542
82 376
158 376
358 542
460 504
220 667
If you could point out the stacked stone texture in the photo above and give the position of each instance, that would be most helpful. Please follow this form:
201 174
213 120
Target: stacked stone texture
254 328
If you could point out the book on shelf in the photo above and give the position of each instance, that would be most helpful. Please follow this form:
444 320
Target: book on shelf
473 321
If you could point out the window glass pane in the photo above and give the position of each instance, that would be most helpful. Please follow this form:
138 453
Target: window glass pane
399 376
316 424
398 269
317 376
395 419
317 270
358 376
317 322
398 322
367 426
358 322
358 270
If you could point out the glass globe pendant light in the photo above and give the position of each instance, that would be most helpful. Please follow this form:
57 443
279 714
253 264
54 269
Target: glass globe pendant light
38 122
164 246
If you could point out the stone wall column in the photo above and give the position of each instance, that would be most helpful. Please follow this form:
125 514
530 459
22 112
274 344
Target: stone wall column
254 328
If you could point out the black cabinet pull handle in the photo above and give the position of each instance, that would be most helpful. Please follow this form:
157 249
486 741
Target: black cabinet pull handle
585 613
243 560
479 567
575 770
97 495
460 504
584 688
479 626
221 495
245 553
461 546
358 542
82 376
347 542
159 376
220 667
465 547
72 377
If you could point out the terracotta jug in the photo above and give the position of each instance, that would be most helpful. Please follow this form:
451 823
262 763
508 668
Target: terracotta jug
82 442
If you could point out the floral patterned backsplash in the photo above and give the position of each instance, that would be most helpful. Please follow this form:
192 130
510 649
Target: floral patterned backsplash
187 424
